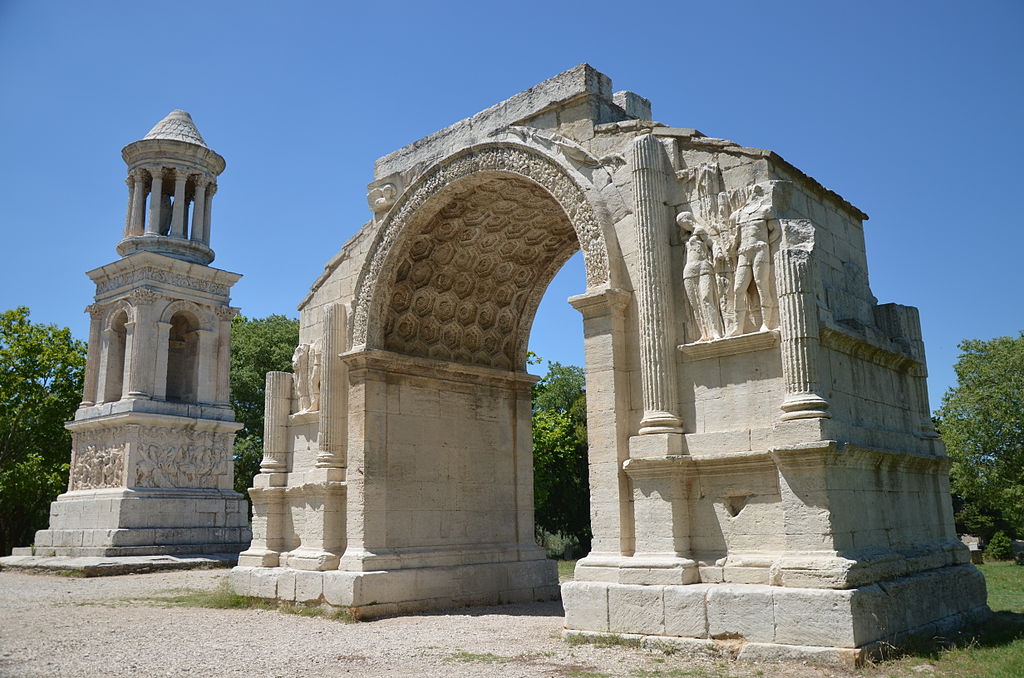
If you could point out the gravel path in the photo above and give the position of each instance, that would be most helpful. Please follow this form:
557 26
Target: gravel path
63 626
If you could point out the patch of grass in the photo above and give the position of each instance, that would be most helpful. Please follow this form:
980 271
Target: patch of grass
574 672
1005 583
566 570
71 572
995 650
603 640
472 657
223 598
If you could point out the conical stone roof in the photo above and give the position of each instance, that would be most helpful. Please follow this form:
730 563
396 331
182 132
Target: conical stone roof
177 125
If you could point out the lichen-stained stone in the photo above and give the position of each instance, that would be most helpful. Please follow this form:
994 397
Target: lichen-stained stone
760 447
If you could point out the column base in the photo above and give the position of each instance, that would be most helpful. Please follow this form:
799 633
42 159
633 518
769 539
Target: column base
774 621
368 595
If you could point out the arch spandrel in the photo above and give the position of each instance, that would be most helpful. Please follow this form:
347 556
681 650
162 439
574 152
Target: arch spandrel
460 173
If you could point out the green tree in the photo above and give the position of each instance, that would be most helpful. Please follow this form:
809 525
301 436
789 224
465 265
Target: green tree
41 371
258 346
982 424
561 486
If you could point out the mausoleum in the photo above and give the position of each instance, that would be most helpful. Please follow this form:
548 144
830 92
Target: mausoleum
151 461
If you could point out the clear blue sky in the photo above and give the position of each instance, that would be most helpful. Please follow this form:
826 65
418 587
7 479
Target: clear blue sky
911 110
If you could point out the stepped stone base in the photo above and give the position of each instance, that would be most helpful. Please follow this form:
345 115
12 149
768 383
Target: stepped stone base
137 522
773 622
91 566
377 594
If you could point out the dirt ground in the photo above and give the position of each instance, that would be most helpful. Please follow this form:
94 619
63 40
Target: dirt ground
112 626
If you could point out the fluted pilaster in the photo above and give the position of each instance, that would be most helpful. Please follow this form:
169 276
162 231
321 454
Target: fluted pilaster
275 424
333 390
800 340
653 291
92 360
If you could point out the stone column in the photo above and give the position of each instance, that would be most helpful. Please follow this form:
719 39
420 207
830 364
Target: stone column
224 316
333 390
654 289
798 310
206 389
268 510
131 201
604 346
366 459
660 491
155 199
199 210
137 208
140 361
275 424
208 211
161 347
129 353
178 214
92 360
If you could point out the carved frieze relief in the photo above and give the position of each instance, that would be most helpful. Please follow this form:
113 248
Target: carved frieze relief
174 457
159 275
98 459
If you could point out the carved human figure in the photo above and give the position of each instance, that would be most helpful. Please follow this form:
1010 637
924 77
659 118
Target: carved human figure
754 237
699 280
300 367
315 369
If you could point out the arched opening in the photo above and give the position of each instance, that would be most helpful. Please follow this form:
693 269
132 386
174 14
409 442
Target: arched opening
115 347
183 359
467 282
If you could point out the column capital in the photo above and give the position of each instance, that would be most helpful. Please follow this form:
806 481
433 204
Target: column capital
226 312
94 310
144 295
211 188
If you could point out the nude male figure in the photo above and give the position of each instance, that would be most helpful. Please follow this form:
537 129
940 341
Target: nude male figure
754 238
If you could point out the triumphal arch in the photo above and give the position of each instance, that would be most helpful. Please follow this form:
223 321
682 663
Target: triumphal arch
763 466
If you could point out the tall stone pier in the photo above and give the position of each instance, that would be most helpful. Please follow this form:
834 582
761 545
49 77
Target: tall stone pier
761 468
151 462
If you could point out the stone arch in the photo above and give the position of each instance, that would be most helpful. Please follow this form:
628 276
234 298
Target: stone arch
115 341
467 170
203 316
185 322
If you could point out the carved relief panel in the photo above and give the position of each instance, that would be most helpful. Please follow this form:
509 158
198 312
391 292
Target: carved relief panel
730 237
98 459
174 457
307 365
